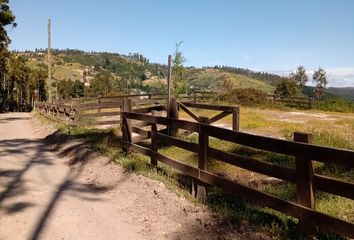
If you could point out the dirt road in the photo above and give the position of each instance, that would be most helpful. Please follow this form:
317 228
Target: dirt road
65 191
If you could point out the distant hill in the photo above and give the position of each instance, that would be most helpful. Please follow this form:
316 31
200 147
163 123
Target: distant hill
347 92
72 64
79 65
138 72
214 79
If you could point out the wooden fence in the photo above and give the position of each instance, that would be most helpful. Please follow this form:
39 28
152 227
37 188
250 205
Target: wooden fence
145 123
302 175
99 111
57 112
225 111
304 102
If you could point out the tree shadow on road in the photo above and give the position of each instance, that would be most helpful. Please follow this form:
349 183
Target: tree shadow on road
22 155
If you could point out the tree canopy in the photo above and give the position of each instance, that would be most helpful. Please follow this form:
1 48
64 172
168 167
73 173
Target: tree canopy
319 77
299 76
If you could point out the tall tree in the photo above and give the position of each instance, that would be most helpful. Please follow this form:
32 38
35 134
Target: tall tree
320 79
300 76
178 71
7 19
287 88
101 84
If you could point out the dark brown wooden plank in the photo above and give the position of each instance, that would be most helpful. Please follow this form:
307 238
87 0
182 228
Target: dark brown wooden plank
139 138
310 151
236 119
292 101
189 112
142 132
304 175
193 147
184 168
141 124
318 219
208 106
173 113
218 117
203 144
269 169
92 106
97 123
334 186
100 114
191 126
154 140
149 109
126 123
298 98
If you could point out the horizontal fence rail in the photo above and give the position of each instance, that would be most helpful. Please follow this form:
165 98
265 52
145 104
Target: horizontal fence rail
305 102
98 111
302 175
225 111
57 112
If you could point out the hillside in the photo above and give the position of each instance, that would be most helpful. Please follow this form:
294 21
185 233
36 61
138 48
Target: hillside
347 92
134 71
138 71
216 79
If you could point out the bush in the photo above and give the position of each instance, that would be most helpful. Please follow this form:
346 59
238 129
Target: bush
334 104
246 96
287 88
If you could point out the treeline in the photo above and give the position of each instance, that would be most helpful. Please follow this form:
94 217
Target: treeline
102 84
21 86
272 79
131 67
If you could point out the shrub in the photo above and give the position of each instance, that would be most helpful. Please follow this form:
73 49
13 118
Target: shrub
287 88
246 96
334 104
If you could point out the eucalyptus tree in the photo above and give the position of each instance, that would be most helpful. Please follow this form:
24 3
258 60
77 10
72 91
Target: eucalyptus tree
7 19
319 77
299 76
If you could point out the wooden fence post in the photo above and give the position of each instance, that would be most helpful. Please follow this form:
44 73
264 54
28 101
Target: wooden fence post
170 88
236 119
304 179
202 157
173 113
310 102
72 112
154 146
99 102
126 123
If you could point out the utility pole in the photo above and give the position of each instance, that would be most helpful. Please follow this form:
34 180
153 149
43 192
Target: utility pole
169 85
49 66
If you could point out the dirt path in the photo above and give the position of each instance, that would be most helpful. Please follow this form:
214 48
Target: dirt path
66 191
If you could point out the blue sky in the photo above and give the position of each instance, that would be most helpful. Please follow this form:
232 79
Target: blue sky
269 35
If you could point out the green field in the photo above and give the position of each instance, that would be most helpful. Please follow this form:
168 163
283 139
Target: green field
65 73
214 79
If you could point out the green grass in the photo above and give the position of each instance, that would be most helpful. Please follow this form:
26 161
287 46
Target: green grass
61 73
214 79
241 81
